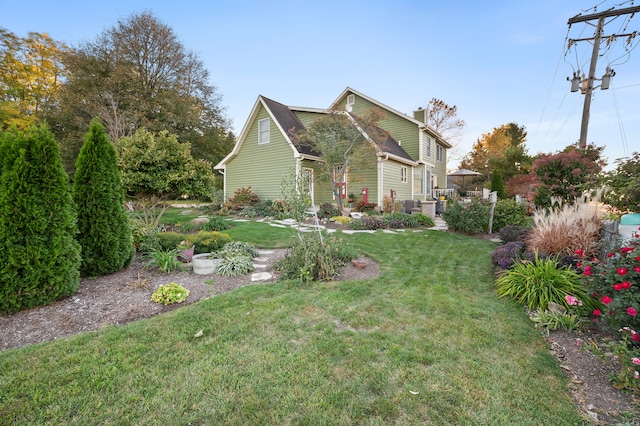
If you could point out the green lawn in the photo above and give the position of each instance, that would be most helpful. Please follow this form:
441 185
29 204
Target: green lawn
427 342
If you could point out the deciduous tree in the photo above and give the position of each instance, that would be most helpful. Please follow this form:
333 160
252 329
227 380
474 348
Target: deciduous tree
502 151
340 142
138 74
566 174
444 119
158 165
31 73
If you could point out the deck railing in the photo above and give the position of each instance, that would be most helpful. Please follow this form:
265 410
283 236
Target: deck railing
452 193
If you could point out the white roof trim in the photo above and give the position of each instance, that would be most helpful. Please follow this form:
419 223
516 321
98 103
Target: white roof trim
387 156
309 109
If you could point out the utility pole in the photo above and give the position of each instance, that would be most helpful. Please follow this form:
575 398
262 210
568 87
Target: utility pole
588 83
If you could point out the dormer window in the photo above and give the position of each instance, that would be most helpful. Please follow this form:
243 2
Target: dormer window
263 131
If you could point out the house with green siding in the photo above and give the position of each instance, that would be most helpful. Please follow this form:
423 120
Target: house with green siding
408 164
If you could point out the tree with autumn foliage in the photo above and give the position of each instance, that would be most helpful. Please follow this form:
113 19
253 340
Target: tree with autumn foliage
31 73
502 151
566 174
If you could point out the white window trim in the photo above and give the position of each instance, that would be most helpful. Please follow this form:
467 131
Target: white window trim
351 99
266 132
403 174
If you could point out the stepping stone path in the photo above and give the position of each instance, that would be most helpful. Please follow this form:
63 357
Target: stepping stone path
260 263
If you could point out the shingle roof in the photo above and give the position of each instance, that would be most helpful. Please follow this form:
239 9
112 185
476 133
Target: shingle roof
290 123
384 141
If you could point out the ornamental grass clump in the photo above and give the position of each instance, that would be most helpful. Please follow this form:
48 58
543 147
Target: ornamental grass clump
535 284
568 228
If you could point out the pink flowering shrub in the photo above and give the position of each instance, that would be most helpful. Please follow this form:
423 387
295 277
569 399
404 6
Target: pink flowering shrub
616 283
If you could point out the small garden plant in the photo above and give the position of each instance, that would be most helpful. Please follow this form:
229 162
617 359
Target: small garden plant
165 260
240 247
170 293
235 264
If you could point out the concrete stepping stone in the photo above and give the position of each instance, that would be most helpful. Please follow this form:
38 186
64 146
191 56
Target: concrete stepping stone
261 276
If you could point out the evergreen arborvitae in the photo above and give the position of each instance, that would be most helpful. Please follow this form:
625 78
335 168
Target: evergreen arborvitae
39 256
103 224
498 186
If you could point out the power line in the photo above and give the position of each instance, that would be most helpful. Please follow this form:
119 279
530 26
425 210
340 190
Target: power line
588 83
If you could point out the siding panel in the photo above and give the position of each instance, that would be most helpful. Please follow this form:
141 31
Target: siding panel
261 167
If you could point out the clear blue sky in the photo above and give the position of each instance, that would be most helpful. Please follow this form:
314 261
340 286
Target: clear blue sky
499 61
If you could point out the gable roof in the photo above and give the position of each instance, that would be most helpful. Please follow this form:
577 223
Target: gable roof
286 121
289 125
387 145
420 124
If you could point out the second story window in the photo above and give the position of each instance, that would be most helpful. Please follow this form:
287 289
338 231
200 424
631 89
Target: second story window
263 131
439 153
351 99
427 146
403 174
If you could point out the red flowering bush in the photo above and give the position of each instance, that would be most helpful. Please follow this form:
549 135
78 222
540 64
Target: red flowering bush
616 283
243 197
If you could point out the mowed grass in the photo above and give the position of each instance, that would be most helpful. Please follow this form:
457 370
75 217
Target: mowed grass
427 342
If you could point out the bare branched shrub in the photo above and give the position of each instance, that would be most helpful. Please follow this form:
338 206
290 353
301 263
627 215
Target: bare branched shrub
567 228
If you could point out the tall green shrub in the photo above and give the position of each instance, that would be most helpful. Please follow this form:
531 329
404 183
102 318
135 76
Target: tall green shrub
39 256
103 224
497 185
508 212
